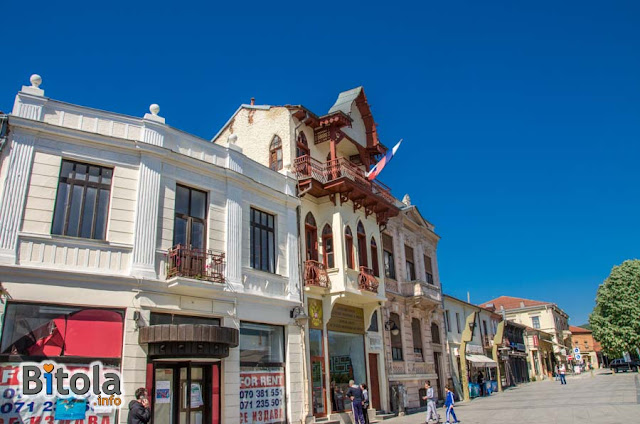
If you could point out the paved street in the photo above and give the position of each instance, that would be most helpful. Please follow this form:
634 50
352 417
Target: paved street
603 399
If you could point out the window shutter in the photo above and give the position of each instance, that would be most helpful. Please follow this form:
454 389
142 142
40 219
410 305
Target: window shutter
387 243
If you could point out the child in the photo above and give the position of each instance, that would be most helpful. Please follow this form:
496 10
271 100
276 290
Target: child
448 404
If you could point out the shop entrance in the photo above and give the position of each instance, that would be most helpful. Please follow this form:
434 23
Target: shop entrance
186 393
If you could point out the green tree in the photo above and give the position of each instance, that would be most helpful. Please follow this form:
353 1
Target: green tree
615 320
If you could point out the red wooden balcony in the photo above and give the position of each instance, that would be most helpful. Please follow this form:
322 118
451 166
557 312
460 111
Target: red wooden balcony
367 281
315 274
344 178
201 264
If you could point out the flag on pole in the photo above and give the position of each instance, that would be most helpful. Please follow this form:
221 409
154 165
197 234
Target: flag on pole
373 173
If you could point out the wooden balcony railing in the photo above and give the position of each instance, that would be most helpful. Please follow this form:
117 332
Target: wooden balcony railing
325 172
367 281
315 274
201 264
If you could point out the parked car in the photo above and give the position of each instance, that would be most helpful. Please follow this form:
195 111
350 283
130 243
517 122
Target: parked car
618 365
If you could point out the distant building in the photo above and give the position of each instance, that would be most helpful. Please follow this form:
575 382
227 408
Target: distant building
583 338
545 316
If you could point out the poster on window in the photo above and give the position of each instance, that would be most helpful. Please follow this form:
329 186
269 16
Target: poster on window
262 396
38 409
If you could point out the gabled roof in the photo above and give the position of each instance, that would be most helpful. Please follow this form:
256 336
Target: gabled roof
344 103
579 330
508 302
344 100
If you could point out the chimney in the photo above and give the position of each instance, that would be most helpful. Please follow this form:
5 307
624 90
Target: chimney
253 101
521 304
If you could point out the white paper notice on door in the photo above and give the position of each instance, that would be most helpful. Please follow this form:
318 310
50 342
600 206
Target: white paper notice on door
163 391
196 395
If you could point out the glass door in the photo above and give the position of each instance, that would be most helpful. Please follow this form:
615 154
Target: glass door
317 387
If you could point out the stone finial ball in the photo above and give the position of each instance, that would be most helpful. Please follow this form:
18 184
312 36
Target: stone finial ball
154 109
36 80
232 139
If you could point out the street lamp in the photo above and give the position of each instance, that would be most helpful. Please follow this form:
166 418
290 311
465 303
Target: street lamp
391 325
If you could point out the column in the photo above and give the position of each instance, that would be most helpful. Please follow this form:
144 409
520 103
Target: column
14 194
146 225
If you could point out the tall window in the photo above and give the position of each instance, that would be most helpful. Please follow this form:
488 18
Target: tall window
374 257
311 236
535 321
435 333
362 245
263 241
327 246
428 270
447 320
275 154
389 264
348 242
189 221
458 322
417 339
373 325
302 148
484 327
82 201
410 267
396 339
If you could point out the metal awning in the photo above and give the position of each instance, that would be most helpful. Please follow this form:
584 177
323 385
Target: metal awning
481 361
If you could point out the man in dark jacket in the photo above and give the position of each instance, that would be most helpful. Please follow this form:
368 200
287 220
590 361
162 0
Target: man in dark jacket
139 412
355 394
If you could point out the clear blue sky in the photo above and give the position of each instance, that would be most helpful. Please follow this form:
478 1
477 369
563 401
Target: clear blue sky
521 121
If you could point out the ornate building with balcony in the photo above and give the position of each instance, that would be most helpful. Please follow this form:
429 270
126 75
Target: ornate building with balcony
166 257
340 218
413 331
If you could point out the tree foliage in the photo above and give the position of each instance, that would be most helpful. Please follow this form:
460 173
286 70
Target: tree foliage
615 320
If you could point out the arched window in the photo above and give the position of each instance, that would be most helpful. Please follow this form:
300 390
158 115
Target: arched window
327 246
362 245
311 236
373 325
302 148
275 154
374 257
417 339
348 242
435 333
396 339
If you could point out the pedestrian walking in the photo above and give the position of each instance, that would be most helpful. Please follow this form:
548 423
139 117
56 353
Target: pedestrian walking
480 381
355 394
431 402
448 404
365 402
562 370
139 412
556 374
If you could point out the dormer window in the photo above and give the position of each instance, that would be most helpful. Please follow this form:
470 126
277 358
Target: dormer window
275 154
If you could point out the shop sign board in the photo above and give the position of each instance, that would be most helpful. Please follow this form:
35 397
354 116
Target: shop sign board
262 396
17 408
346 319
471 348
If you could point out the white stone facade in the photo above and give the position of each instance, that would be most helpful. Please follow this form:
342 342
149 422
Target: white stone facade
128 268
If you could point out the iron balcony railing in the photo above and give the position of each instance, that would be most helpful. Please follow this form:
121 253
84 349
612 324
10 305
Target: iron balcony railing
367 281
201 264
315 274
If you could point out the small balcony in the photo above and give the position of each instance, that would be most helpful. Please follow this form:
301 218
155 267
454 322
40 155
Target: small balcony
347 180
315 275
200 264
367 281
423 290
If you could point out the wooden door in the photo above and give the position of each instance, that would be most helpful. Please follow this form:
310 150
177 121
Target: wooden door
374 390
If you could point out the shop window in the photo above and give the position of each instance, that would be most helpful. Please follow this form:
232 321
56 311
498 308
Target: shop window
275 154
189 225
362 245
263 241
396 339
410 267
374 257
327 246
261 343
435 333
428 270
164 319
389 264
311 237
60 331
373 326
348 241
417 339
82 200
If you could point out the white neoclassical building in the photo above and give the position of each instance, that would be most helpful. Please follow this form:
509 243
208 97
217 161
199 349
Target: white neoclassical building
163 255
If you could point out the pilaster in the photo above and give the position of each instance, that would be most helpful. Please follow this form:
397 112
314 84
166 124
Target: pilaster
146 224
234 237
293 252
14 195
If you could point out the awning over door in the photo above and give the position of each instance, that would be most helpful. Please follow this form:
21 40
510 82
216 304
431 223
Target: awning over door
481 361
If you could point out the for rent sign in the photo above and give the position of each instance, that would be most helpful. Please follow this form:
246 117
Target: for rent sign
262 396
